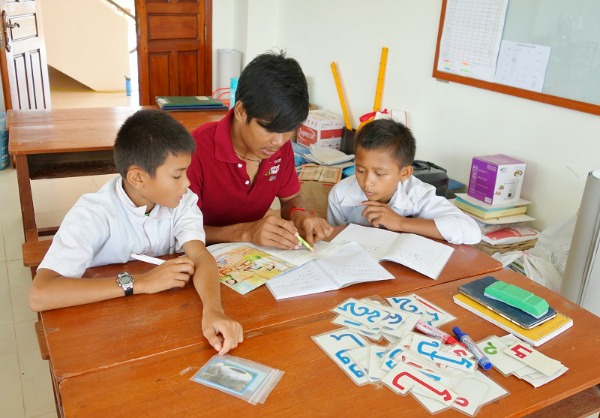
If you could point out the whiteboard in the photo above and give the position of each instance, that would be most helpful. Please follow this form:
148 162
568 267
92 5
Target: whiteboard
570 30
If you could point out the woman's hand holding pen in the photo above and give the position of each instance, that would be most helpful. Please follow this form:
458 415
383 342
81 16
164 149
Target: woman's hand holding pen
172 273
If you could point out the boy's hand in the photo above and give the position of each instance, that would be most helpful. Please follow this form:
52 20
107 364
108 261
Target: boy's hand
312 228
273 231
172 273
379 214
222 332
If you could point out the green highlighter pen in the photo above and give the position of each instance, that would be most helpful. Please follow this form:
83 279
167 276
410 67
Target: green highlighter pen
304 242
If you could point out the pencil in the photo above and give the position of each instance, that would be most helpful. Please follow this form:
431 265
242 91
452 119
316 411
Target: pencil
304 242
338 86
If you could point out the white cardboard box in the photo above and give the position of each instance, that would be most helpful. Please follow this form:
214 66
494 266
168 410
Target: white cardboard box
323 128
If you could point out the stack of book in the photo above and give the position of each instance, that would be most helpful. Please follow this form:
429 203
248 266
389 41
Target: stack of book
189 103
534 330
504 227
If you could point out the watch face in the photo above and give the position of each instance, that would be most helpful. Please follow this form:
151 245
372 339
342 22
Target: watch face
125 279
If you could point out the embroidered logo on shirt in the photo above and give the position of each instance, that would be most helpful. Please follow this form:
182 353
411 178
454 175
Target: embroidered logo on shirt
272 172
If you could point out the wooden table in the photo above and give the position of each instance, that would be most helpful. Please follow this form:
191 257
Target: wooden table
313 385
68 143
85 338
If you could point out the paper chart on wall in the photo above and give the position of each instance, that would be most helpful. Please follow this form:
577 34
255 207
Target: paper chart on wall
471 38
522 65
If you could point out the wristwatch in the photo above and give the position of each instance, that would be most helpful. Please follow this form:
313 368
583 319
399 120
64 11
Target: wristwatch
125 280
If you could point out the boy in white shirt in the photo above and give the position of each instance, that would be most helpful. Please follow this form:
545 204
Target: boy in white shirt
147 210
384 192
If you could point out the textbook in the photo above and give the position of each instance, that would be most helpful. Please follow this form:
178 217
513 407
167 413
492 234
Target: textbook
349 265
535 336
418 253
243 266
189 103
488 213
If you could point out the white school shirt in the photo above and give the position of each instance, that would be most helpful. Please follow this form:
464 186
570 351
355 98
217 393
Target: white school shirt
413 198
106 227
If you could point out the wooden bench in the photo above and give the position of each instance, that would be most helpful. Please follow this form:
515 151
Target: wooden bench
34 252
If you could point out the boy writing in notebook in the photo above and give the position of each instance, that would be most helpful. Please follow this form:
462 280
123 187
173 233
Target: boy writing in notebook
147 210
384 193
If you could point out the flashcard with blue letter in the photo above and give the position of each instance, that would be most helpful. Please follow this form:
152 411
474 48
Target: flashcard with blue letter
360 311
336 344
444 316
369 332
410 304
376 361
431 349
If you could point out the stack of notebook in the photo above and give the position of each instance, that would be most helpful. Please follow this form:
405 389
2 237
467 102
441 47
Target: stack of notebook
189 103
534 330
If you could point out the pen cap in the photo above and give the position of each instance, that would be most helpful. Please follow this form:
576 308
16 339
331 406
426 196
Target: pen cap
459 334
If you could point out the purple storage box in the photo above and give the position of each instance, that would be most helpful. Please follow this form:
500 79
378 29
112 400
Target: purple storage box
496 179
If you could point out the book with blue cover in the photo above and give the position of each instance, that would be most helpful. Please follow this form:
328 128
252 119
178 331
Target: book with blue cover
189 103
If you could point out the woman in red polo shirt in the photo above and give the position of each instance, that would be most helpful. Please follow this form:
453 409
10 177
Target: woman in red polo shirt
245 160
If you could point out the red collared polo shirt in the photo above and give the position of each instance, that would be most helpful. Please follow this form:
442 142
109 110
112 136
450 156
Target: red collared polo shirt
219 178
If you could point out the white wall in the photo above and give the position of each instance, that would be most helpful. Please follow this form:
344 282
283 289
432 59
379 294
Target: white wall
451 122
87 40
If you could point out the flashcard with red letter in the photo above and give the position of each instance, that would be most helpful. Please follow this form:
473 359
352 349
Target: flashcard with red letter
533 358
403 378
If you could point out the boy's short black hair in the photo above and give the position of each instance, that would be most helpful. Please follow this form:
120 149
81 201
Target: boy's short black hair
273 90
147 138
391 136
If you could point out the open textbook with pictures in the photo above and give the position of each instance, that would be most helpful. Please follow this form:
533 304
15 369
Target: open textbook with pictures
421 254
349 265
244 267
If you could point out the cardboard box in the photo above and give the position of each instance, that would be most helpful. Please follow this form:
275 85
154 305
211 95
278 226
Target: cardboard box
323 128
496 179
315 183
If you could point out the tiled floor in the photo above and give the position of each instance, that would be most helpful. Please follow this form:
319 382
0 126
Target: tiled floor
25 385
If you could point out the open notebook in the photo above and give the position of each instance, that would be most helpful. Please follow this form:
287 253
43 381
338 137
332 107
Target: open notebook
348 266
421 254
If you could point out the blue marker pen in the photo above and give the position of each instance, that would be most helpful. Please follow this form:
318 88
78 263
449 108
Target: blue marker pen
483 361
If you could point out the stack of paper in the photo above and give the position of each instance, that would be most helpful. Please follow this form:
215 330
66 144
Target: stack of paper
328 156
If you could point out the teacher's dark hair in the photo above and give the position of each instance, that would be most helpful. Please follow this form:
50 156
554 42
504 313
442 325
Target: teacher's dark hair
274 91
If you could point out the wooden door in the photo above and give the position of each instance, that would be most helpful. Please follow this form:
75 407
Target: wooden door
23 59
174 48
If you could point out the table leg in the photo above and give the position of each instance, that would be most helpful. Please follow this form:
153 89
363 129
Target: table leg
26 197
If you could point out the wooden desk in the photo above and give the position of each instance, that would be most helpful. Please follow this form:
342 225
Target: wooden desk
313 385
68 143
89 337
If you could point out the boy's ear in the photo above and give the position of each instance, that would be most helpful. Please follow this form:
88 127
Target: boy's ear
406 171
136 176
